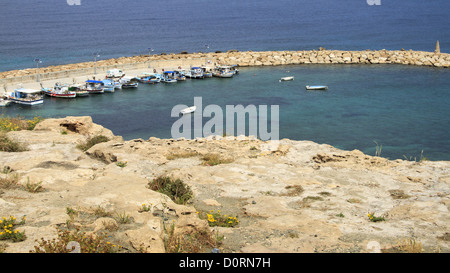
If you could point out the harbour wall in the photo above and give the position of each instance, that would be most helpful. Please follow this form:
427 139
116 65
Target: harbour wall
232 57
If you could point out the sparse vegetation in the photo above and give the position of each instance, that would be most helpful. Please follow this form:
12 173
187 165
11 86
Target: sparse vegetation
176 189
408 245
68 241
181 154
199 242
10 181
398 194
91 142
9 145
374 218
8 229
33 187
123 218
215 159
293 190
216 219
121 164
18 123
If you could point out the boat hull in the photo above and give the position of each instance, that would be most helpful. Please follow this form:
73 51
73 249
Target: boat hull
287 79
316 87
27 102
64 96
188 110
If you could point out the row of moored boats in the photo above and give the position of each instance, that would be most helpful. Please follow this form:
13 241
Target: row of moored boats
115 79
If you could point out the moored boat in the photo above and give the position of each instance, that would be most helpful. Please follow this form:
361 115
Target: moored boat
150 78
290 78
168 77
188 110
78 89
93 87
316 87
108 86
59 91
195 73
223 71
207 71
26 96
180 74
129 82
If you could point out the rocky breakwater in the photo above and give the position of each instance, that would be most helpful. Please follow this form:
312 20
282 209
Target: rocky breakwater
260 58
323 56
299 197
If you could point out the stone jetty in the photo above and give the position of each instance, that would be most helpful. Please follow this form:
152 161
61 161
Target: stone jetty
253 58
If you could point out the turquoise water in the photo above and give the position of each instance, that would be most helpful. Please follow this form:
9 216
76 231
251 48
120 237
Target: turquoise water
403 108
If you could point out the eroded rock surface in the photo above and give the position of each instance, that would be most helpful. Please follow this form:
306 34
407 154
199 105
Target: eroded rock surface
299 197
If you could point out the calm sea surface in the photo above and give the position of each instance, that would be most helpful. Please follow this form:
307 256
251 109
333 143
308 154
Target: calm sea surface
403 108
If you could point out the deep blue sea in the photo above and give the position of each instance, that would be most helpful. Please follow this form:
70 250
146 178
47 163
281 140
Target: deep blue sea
405 109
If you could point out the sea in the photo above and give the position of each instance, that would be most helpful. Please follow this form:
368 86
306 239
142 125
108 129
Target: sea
404 110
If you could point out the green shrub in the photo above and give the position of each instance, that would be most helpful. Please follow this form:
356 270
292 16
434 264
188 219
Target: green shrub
177 190
91 142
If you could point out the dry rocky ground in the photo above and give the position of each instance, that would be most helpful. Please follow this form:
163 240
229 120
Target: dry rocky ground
299 197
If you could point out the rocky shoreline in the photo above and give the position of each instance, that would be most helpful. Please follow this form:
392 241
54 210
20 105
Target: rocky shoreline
256 58
301 197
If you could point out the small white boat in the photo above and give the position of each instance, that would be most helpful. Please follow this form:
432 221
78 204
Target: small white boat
188 110
26 96
290 78
316 87
4 102
129 82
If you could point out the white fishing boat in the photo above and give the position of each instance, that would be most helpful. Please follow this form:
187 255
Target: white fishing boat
188 110
290 78
195 73
4 102
59 91
78 89
93 87
26 96
129 82
180 74
316 87
207 71
108 86
223 71
168 77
